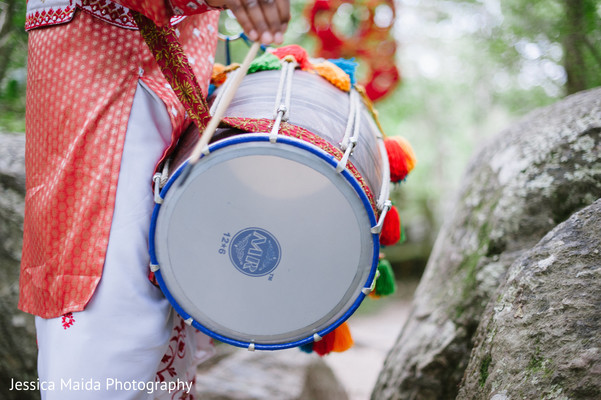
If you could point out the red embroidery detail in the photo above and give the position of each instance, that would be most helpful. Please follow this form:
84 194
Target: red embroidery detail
105 10
173 62
109 12
48 17
68 320
177 349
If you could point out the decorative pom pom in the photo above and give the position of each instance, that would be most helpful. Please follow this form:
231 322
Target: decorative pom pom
347 65
325 345
265 62
343 340
386 284
338 340
211 90
400 157
335 75
307 348
219 74
391 229
299 54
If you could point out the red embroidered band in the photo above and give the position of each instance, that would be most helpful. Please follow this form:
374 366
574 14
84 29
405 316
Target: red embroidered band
172 60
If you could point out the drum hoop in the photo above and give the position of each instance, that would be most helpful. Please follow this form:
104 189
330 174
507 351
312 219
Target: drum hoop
330 159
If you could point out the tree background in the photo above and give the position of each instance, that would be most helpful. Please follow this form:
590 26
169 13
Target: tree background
13 59
469 68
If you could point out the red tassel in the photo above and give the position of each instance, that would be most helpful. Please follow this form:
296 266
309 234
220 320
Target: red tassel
391 229
338 340
325 345
400 157
299 54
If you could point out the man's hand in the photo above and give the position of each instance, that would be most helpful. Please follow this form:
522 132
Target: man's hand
262 20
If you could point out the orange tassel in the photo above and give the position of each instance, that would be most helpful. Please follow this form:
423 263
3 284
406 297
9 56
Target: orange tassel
219 76
343 340
391 229
338 340
334 74
401 157
220 72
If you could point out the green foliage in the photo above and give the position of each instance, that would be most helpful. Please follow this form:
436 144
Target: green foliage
544 34
13 56
484 365
469 69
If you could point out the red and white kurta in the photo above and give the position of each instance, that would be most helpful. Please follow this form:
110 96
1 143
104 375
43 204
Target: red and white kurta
82 76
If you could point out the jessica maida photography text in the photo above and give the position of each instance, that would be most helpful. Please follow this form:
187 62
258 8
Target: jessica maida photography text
96 385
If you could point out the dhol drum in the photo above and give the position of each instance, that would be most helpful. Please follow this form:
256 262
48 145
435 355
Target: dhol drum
271 240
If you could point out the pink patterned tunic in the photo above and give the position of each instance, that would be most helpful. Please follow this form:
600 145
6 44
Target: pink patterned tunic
74 145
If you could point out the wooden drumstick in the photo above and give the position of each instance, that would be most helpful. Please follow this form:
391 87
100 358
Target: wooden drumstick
223 105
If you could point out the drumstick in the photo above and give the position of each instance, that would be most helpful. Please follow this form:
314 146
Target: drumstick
219 111
223 105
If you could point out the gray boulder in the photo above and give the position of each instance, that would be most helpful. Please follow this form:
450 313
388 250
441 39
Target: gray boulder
279 375
18 349
542 337
527 180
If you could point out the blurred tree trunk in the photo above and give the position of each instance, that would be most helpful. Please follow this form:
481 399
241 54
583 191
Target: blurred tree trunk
18 350
582 59
7 12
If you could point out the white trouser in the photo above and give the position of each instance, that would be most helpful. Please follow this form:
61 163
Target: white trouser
128 343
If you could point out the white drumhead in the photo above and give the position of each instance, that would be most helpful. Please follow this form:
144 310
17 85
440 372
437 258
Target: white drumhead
264 243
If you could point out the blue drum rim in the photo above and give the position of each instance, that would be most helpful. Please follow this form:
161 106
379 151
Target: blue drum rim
262 137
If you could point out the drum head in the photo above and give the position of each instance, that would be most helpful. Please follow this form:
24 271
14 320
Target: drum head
264 243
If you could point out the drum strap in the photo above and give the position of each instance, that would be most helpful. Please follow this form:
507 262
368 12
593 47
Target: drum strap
174 65
172 60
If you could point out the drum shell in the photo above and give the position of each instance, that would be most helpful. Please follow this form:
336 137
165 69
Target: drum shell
316 105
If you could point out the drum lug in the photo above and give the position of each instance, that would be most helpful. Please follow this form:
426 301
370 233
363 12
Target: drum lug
349 150
378 228
282 115
251 347
283 110
316 337
368 290
157 188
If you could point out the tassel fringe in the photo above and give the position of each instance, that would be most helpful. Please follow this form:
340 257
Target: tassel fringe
391 230
401 157
339 340
386 284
